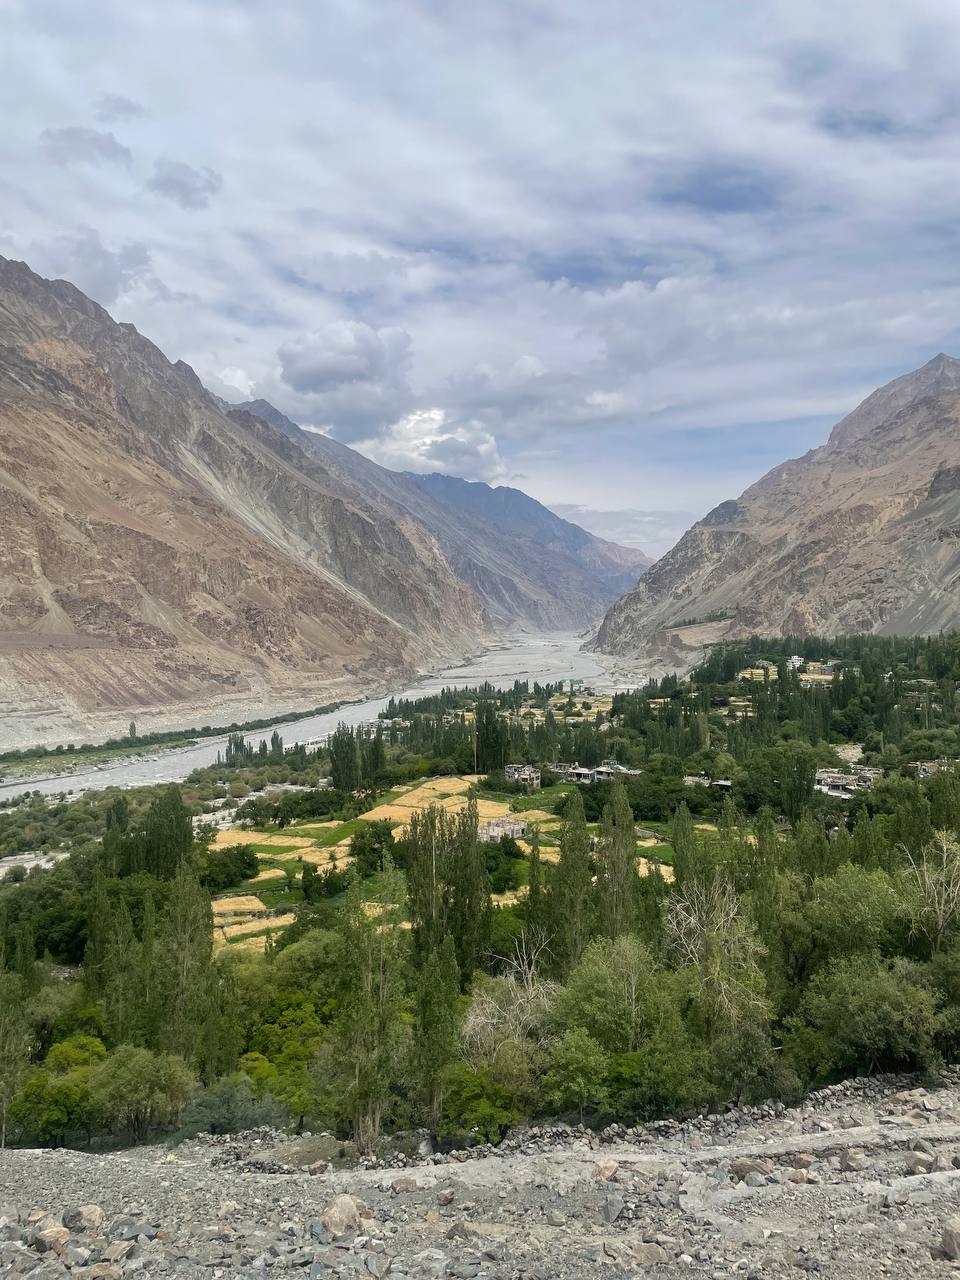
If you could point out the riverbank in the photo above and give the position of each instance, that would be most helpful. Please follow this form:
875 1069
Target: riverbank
520 656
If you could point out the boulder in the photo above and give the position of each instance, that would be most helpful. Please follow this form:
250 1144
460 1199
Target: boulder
919 1162
86 1217
950 1239
605 1168
612 1208
649 1254
744 1166
401 1186
341 1217
853 1160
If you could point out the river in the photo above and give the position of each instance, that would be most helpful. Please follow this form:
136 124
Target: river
546 657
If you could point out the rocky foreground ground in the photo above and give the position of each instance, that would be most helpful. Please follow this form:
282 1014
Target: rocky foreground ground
862 1181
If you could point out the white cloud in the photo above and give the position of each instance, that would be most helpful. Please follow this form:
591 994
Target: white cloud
588 233
426 441
102 271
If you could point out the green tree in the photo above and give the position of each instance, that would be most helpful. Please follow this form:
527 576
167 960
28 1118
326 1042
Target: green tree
437 1024
345 759
534 906
50 1104
861 1013
99 915
368 1030
120 974
185 955
372 846
617 993
617 865
570 891
576 1074
134 1090
15 1043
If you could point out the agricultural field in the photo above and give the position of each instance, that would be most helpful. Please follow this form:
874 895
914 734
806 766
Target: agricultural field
267 902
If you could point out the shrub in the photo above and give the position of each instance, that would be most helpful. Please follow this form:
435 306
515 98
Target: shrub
229 1106
475 1108
861 1013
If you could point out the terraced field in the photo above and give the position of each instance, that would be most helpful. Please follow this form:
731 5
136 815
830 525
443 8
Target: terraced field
255 911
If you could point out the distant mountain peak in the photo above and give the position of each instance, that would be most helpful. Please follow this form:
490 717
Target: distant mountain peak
862 534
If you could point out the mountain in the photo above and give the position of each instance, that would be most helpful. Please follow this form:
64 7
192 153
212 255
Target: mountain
861 534
523 562
170 558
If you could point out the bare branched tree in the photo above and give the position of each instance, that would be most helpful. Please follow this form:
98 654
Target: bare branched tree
511 1006
933 879
710 937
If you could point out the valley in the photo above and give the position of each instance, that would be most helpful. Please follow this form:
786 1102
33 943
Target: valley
529 656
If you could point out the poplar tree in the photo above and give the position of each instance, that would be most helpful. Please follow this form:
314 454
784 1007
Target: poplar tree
570 892
148 1010
186 949
98 927
534 906
369 1025
14 1043
437 1026
120 970
617 865
470 897
429 873
344 759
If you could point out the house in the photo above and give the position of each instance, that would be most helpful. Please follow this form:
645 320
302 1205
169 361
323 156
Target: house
492 831
607 770
579 773
696 780
525 774
795 662
834 782
930 768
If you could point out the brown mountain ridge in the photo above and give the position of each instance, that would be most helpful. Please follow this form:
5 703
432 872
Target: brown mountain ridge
859 535
166 556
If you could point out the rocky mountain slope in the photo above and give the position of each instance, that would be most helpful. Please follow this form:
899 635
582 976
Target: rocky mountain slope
859 1182
522 561
163 554
861 534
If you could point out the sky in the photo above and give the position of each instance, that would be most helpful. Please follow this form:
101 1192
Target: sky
625 257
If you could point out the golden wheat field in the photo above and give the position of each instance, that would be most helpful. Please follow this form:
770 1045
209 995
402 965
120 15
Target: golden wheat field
240 904
644 868
273 923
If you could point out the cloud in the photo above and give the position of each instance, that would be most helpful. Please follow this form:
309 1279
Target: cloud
426 441
346 351
346 374
77 145
102 272
113 107
188 187
630 261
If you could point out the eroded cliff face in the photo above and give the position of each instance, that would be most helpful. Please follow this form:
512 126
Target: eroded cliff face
162 552
155 552
523 562
858 535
